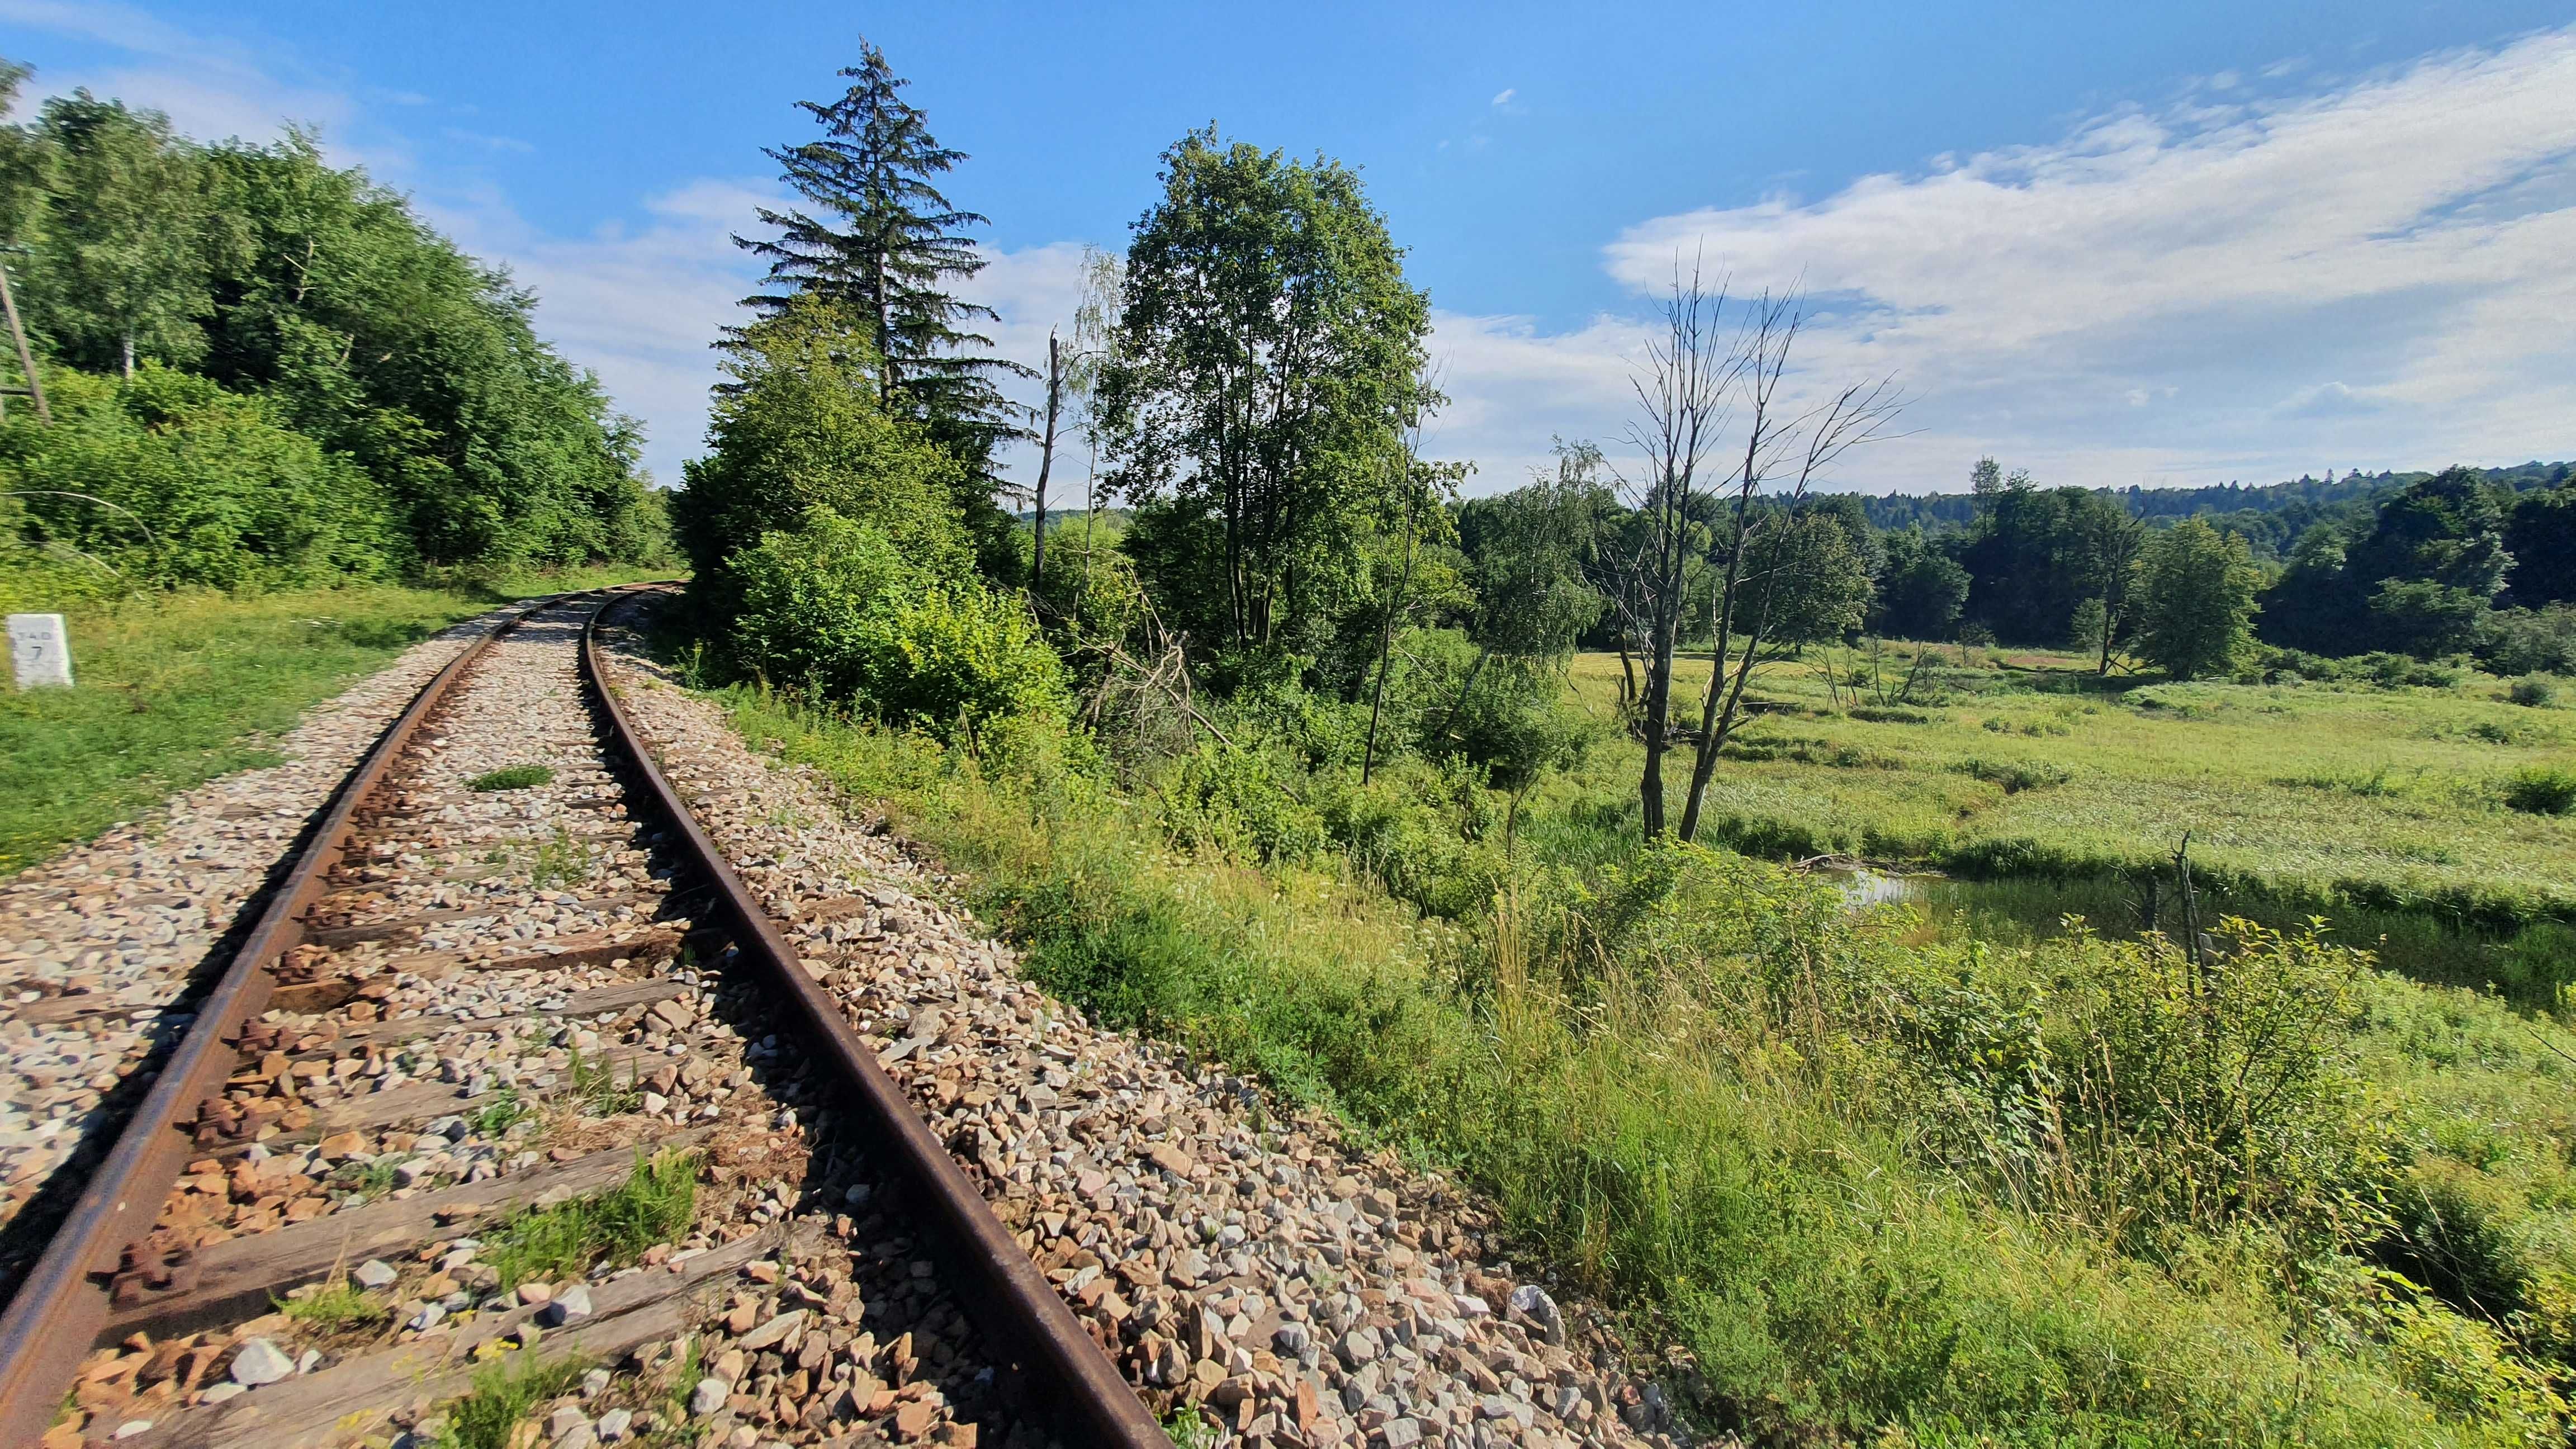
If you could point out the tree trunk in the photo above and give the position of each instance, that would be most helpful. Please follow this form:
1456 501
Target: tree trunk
128 342
1046 464
1386 635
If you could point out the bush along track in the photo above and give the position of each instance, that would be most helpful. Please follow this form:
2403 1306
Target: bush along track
1253 1271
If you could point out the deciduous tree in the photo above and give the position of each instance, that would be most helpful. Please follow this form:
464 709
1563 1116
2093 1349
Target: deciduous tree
2195 590
1267 358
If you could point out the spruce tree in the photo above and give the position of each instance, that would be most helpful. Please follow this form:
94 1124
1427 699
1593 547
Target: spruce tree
882 244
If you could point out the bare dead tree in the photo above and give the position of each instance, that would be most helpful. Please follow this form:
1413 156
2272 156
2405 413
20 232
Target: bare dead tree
1786 445
1046 462
1695 383
1682 394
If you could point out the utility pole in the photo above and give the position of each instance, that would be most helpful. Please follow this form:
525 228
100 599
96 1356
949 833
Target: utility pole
26 359
1046 459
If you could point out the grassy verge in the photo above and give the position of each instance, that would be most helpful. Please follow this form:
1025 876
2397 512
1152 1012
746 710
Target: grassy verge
1839 1160
174 689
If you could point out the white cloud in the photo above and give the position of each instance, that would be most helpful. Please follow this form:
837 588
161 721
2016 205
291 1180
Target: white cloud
2405 234
2251 283
640 305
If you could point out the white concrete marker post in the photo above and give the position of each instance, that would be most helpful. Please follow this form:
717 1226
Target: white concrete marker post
40 649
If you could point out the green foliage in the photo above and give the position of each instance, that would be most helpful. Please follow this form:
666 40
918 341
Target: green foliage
503 1395
2529 641
2196 600
848 611
800 426
1091 598
1266 360
1865 1181
434 425
1921 591
329 1307
2540 533
881 256
1530 552
2532 693
119 272
506 1110
550 1244
2542 790
169 479
1805 581
513 777
2035 553
1238 802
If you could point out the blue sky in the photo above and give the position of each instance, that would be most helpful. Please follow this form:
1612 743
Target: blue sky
2116 244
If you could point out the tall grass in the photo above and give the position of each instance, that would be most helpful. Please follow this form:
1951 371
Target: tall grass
1844 1162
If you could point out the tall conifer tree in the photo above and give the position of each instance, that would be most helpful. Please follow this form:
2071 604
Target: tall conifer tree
883 244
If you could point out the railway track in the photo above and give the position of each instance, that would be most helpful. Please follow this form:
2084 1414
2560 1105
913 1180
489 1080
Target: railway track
516 1118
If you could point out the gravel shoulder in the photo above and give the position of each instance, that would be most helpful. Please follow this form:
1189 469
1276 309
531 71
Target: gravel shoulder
99 946
1242 1262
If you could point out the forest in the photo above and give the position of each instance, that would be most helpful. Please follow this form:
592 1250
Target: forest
2205 1081
261 371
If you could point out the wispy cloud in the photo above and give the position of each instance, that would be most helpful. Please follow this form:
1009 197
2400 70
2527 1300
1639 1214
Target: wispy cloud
489 143
2388 254
1504 98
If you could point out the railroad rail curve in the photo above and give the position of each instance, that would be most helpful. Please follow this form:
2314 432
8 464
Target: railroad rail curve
106 1266
1014 1306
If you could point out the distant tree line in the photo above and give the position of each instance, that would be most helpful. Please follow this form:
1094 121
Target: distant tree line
267 369
2465 562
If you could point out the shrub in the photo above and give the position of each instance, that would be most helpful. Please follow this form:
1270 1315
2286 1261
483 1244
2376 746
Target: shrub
839 607
2541 790
169 479
1238 802
2533 692
801 428
2014 775
2530 641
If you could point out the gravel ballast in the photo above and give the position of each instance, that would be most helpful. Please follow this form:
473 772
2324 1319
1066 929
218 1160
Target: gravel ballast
98 944
1236 1257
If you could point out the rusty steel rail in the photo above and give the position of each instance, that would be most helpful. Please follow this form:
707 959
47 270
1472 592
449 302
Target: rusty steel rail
1048 1356
66 1297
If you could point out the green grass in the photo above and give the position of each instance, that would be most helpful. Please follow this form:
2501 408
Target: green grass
652 1206
506 1110
513 777
1778 1186
2413 799
332 1306
502 1396
596 1090
174 689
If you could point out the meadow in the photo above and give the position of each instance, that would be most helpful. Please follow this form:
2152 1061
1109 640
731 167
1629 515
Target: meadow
176 687
2042 789
1854 1172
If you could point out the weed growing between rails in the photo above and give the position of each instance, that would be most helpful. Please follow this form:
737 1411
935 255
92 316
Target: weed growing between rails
1842 1164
